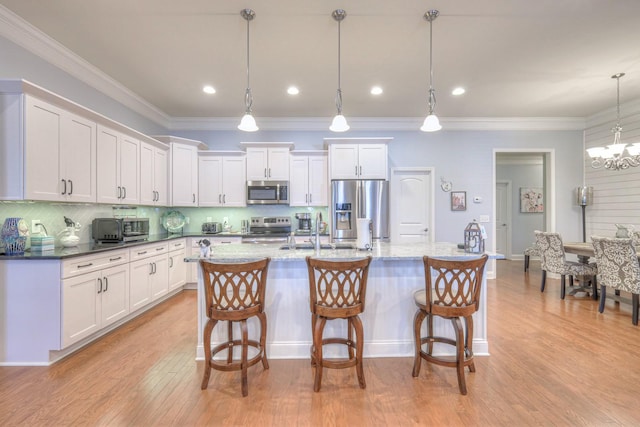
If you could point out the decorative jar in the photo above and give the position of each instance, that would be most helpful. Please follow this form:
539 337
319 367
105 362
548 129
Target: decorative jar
14 236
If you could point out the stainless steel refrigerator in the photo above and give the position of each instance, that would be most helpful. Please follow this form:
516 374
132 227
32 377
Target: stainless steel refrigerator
352 199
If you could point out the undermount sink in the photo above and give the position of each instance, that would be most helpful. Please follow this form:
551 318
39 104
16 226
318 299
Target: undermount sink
309 246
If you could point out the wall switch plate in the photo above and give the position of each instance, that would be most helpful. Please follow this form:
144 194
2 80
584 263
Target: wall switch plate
35 226
484 218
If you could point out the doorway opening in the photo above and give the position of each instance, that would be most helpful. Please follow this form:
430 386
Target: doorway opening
516 174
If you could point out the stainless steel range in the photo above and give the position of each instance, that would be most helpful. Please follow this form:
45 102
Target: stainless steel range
268 229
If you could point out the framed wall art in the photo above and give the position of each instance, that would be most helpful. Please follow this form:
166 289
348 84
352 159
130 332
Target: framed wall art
458 200
531 200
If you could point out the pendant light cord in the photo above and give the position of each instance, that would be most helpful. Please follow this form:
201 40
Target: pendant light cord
432 95
339 92
248 98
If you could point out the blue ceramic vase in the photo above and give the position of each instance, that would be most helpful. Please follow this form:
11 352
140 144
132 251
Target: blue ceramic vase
14 236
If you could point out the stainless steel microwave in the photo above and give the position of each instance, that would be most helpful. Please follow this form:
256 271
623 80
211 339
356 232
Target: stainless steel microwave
267 192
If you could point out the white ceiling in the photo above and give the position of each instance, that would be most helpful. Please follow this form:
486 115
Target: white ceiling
516 58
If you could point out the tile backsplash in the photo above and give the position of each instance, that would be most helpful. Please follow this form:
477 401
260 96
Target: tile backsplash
52 214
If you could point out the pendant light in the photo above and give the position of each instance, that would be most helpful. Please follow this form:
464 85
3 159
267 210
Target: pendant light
431 123
339 123
248 123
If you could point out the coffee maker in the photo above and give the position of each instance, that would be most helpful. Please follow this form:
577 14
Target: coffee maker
304 222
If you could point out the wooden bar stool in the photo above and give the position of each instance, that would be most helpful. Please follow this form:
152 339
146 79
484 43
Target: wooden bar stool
337 291
452 291
234 292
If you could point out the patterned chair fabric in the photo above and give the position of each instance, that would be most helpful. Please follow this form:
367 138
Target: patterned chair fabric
552 259
618 268
528 253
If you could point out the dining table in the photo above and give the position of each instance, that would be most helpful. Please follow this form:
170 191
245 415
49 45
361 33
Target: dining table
584 251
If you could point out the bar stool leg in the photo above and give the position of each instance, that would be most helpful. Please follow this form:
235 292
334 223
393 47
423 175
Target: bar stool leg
317 343
208 328
230 341
351 327
457 326
357 323
417 325
263 339
245 351
468 351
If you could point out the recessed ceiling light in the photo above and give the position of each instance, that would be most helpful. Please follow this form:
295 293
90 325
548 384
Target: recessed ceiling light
376 90
209 89
292 90
458 91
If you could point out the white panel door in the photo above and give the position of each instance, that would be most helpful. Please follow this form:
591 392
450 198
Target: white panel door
129 164
80 307
234 188
107 166
318 182
160 176
147 195
298 185
502 218
372 161
115 294
411 205
210 181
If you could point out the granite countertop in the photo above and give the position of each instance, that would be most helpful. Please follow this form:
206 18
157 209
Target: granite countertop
93 248
383 250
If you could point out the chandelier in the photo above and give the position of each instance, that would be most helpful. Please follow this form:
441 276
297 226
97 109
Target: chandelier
611 156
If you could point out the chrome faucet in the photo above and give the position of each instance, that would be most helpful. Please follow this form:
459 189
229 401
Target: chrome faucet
316 242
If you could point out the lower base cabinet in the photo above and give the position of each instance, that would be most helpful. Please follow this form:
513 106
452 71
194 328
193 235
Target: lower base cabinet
149 272
177 268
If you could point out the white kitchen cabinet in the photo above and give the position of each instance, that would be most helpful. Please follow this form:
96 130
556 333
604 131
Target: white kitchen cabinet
184 175
358 161
221 179
177 266
60 154
118 180
154 166
95 294
149 274
268 163
309 181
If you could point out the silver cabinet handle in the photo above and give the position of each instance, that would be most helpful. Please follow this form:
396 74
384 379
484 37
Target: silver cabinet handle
194 197
106 284
269 172
306 198
64 181
119 192
100 290
160 249
71 185
124 189
115 259
85 265
224 199
220 198
170 262
310 198
142 253
356 169
360 170
265 172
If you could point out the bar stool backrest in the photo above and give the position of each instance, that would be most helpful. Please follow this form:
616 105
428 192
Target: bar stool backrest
337 287
234 290
453 286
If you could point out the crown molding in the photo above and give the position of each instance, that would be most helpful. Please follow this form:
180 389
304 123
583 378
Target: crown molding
20 32
381 123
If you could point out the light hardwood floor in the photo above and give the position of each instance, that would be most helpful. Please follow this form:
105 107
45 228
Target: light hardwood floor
552 362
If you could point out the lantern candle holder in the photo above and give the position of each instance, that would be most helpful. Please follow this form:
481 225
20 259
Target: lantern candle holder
473 238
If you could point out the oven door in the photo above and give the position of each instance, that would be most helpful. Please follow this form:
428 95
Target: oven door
267 192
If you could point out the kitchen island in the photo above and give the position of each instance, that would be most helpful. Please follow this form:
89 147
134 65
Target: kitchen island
396 272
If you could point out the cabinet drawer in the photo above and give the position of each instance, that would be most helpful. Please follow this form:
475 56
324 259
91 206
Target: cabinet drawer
87 264
176 245
141 252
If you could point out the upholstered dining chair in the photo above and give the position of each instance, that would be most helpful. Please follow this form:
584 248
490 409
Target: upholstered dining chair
234 292
553 260
618 269
452 292
528 253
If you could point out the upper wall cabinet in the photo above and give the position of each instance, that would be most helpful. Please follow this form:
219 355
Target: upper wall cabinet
222 179
183 170
154 167
309 181
268 161
358 158
118 163
46 151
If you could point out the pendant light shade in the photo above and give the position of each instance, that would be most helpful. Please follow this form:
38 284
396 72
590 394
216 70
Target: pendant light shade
431 123
339 123
248 123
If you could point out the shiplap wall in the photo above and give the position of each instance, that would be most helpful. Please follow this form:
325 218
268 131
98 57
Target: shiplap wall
616 194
